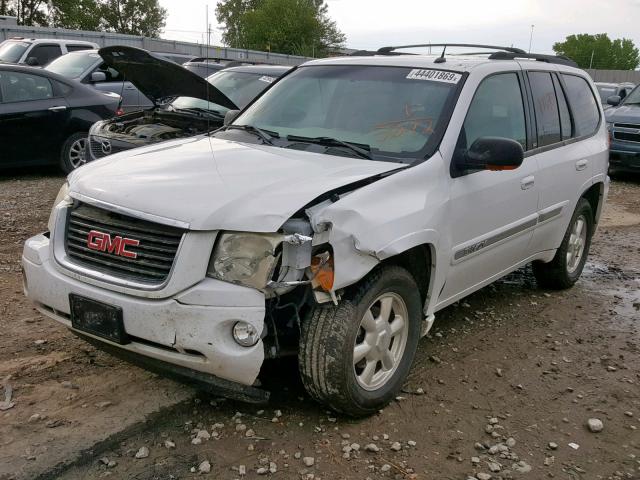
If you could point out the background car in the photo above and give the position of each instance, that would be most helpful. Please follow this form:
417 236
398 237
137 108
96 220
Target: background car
623 122
89 68
185 104
607 90
44 118
39 51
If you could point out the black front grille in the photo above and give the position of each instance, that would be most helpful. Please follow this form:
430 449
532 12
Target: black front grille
103 147
626 136
154 254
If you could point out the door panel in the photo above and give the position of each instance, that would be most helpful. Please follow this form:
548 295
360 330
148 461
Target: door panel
492 213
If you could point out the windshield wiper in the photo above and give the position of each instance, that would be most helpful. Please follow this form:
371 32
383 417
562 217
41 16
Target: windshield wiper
360 149
265 135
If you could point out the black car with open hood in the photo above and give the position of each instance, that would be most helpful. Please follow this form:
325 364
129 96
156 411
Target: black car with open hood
184 104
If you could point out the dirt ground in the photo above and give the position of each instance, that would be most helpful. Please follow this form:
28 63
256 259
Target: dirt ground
512 367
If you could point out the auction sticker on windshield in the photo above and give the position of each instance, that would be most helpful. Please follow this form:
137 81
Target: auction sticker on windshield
266 78
434 75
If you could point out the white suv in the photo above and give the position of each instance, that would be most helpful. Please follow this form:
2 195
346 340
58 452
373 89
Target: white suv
330 220
38 52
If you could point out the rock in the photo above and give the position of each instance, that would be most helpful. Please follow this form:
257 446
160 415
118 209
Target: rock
483 476
104 404
345 436
250 433
372 447
411 443
262 471
278 413
104 460
40 342
595 425
494 467
355 447
169 444
575 446
521 467
475 460
196 441
68 384
273 468
241 427
552 446
420 391
548 461
499 372
203 434
493 421
309 461
34 418
385 468
112 464
629 414
297 455
204 467
242 470
511 442
396 447
143 452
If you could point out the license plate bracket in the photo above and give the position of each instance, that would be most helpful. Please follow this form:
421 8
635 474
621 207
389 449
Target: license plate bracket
98 318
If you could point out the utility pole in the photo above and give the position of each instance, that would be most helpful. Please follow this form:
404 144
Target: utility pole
531 38
591 61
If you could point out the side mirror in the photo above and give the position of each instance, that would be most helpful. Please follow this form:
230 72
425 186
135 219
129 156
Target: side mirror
491 153
32 61
614 100
230 116
98 77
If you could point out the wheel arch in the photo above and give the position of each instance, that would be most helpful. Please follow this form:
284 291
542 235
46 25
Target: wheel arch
595 196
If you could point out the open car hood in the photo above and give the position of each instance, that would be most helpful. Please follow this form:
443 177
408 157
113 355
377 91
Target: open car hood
157 77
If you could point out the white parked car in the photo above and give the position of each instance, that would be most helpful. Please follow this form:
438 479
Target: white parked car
330 220
38 52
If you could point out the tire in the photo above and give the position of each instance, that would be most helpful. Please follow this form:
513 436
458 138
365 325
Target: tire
563 271
329 335
73 153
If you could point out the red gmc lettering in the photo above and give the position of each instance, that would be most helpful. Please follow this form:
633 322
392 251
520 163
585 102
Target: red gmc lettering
102 242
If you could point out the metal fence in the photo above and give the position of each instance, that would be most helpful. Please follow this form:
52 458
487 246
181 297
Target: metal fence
615 76
154 44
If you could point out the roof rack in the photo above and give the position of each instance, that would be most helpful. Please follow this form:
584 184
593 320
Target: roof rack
388 50
557 59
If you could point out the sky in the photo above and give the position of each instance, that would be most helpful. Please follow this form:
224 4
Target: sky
369 24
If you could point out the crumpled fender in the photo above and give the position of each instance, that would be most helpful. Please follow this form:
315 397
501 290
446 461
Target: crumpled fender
385 219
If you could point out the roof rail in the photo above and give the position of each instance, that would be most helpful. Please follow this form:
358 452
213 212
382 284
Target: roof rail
389 50
557 59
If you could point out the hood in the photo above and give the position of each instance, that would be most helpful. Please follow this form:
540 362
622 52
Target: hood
623 114
216 184
157 77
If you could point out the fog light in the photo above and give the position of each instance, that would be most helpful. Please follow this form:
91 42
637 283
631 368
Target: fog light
245 334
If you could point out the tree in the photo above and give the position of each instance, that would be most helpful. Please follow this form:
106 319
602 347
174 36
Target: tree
300 27
599 51
135 17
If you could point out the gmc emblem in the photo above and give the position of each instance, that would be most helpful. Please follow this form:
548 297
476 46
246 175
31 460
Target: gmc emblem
102 242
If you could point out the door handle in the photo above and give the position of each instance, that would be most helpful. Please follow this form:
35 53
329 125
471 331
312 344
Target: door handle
130 87
581 165
59 108
527 182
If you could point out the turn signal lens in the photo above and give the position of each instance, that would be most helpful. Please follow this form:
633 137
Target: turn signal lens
322 271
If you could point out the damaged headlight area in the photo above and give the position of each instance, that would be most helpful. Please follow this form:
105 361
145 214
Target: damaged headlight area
62 200
245 258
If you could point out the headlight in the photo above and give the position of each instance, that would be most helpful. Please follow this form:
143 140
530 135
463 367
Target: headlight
62 199
245 258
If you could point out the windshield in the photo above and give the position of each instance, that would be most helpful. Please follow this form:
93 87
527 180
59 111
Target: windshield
10 52
633 97
73 65
241 87
391 111
191 103
606 91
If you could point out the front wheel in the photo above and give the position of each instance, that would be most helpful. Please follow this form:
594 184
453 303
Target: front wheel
73 154
566 267
354 357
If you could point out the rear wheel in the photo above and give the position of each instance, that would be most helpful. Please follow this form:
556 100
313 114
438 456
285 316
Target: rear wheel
354 357
566 267
73 154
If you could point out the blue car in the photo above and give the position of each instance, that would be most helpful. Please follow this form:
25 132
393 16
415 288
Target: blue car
623 122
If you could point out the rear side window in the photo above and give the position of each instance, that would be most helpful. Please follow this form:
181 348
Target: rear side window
496 110
45 53
23 87
583 105
546 108
75 48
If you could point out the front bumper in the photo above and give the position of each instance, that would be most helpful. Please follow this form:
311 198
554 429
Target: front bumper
189 333
624 156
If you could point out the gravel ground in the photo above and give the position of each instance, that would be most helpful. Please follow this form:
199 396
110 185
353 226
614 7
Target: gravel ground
512 382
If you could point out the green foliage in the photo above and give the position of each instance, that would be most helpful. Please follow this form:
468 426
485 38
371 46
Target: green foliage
599 51
299 27
135 17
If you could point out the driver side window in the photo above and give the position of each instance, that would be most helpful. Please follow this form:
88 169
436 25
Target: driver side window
496 110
